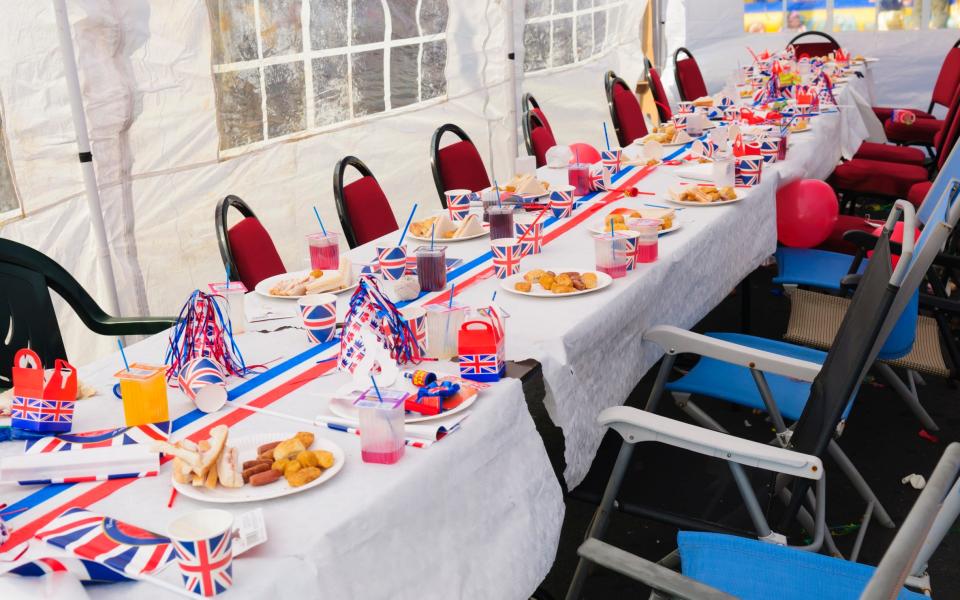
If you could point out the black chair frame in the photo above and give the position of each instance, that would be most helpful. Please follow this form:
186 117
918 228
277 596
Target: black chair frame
434 154
609 81
822 34
338 172
223 239
529 102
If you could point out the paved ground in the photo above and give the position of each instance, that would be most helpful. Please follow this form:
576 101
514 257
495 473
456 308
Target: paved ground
881 438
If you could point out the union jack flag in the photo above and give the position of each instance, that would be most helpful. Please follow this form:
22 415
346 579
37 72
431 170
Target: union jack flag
38 414
199 373
597 181
769 147
123 547
206 565
479 364
320 321
749 169
458 204
506 259
86 571
122 436
534 241
630 251
393 261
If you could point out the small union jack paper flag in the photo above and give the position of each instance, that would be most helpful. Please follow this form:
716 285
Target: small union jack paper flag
122 436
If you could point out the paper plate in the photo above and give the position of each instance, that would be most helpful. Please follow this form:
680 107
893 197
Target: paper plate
345 410
804 130
642 141
597 226
673 192
263 288
603 280
247 450
450 240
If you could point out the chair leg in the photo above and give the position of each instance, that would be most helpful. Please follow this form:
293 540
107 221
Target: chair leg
861 485
908 395
598 525
653 401
807 521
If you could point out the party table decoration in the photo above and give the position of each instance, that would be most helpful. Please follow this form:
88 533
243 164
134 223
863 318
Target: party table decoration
202 330
121 436
481 347
40 404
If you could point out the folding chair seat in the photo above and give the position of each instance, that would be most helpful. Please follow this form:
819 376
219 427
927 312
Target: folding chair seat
246 248
890 153
817 268
625 111
918 192
457 166
921 132
689 79
862 176
363 208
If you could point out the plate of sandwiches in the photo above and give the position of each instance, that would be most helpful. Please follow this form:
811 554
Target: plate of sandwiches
526 187
703 195
666 135
298 284
622 219
447 230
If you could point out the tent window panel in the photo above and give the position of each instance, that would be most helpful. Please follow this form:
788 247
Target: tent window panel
433 17
328 24
239 106
584 36
562 53
280 29
537 8
433 83
536 44
403 17
403 75
572 31
368 22
582 4
234 30
285 99
599 30
562 6
367 73
331 88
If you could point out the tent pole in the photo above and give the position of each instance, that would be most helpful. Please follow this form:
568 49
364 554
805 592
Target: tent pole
512 111
86 157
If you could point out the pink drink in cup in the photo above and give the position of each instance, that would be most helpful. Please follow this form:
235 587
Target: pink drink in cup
432 268
648 233
578 175
501 221
324 251
611 254
382 426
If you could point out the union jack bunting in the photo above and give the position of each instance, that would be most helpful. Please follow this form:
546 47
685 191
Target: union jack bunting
105 540
86 571
199 373
30 413
320 321
122 436
479 364
393 261
749 169
506 259
206 565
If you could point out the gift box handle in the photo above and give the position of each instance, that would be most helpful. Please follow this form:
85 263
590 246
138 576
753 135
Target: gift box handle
27 359
483 324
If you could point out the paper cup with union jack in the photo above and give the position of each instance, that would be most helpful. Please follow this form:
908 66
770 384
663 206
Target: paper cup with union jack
203 541
748 169
318 313
630 250
610 160
393 261
561 201
458 203
534 240
416 318
680 120
507 253
769 149
203 381
685 107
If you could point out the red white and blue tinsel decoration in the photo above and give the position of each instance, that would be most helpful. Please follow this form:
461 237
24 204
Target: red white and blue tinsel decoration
202 330
371 309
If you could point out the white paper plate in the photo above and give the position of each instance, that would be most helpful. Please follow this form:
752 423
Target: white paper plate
671 197
263 288
598 225
247 450
346 410
696 172
603 280
806 129
642 141
440 241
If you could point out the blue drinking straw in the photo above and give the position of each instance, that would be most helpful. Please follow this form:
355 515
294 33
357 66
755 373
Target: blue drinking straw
611 228
605 136
123 354
494 297
376 389
433 228
453 290
227 269
319 220
410 218
496 188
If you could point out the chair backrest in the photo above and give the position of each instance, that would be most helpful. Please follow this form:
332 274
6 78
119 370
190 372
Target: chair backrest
948 79
951 129
537 137
659 93
246 248
27 316
363 208
458 165
625 111
822 46
686 73
530 104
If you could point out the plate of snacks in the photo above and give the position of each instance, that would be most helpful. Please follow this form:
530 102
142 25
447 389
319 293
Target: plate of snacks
703 195
666 135
469 228
800 125
542 283
301 283
226 470
623 218
526 187
342 405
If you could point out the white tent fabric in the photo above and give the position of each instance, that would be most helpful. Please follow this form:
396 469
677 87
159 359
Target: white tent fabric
148 87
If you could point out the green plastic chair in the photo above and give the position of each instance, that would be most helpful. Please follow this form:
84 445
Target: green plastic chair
27 317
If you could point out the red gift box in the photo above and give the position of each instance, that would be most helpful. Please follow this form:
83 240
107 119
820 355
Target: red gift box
480 346
38 404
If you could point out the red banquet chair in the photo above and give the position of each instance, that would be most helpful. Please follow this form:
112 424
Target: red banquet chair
530 104
824 46
364 210
537 136
659 94
246 248
686 72
457 166
625 111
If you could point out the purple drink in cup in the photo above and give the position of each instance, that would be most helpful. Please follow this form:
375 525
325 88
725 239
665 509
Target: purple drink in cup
432 268
501 221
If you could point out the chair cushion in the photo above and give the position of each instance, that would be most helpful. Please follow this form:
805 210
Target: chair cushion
920 133
885 112
948 79
754 570
717 379
629 114
814 49
368 209
877 177
542 140
254 254
692 85
461 167
918 192
543 119
660 94
891 153
818 268
845 223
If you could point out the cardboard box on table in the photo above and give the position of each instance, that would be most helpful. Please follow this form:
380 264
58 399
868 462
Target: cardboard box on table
40 404
480 345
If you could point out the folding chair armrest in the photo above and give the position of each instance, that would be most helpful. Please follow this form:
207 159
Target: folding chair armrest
680 341
947 304
944 259
132 325
867 241
636 425
649 573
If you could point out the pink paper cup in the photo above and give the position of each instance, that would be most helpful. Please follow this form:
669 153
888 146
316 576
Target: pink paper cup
507 253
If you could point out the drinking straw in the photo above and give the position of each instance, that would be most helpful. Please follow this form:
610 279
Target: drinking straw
433 229
446 329
173 496
494 297
319 220
403 234
228 275
453 290
496 188
123 354
611 228
373 380
605 136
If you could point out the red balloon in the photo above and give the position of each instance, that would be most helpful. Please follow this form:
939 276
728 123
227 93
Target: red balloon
584 153
807 210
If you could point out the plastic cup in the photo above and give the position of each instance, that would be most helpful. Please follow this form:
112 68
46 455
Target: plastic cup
647 240
578 176
723 172
611 254
501 221
382 428
143 389
443 327
393 261
324 251
203 541
561 201
782 146
318 315
432 268
458 203
233 295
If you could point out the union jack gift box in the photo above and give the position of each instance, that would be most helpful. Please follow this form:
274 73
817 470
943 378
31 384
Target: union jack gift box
41 404
480 346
